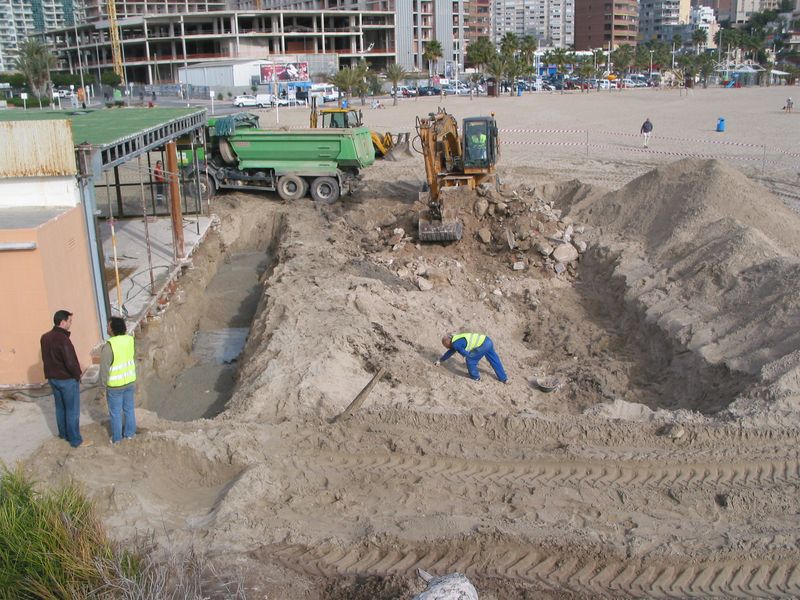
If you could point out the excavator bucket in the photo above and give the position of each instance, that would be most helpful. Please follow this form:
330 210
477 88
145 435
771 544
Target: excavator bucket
400 146
446 230
431 228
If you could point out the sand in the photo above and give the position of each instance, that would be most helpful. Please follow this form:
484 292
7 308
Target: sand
665 463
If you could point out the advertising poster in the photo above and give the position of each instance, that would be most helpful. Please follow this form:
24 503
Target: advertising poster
297 71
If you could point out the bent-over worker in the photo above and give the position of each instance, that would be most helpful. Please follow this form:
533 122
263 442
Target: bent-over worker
473 347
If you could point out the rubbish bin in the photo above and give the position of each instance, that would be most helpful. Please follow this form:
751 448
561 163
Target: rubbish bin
721 124
344 103
491 87
519 90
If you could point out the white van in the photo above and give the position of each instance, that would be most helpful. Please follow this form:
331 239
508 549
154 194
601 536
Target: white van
324 91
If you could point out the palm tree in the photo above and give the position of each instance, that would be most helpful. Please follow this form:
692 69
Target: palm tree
497 68
344 79
559 57
516 68
528 47
34 60
509 44
480 52
395 73
699 38
623 57
433 52
361 80
586 70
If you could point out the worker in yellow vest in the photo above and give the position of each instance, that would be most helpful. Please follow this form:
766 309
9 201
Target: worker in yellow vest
473 347
118 375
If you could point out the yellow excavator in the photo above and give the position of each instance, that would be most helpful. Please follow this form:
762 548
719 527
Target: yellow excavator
386 146
453 161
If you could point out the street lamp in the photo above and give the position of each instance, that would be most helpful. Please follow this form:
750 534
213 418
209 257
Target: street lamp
650 74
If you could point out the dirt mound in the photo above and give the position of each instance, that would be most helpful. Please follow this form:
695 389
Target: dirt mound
711 258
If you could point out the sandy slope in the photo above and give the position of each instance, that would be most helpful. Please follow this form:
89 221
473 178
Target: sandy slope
665 466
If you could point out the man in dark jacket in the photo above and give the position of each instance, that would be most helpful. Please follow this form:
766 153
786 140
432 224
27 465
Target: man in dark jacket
63 372
646 130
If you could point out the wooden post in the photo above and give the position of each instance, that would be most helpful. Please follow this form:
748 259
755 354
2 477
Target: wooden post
175 199
362 395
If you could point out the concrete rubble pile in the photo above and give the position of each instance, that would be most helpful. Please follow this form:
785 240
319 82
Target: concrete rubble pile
516 224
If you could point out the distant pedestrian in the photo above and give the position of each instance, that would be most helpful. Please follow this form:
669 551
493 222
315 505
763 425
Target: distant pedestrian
158 176
473 347
646 130
63 373
153 97
789 105
118 375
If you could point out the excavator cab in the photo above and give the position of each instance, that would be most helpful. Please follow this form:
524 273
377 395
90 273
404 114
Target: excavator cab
479 136
342 118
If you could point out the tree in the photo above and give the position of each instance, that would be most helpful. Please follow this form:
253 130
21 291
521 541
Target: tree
34 60
515 68
480 52
623 57
344 79
110 78
699 38
559 58
586 70
497 67
433 52
395 73
361 80
509 45
528 47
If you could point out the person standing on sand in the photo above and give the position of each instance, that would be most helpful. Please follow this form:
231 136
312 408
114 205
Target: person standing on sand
118 375
63 373
789 105
473 347
646 130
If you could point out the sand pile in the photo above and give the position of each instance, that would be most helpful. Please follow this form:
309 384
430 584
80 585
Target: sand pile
711 258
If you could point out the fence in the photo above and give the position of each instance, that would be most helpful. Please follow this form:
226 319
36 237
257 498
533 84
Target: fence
763 158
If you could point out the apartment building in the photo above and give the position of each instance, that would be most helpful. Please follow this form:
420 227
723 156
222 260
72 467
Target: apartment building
22 18
551 22
417 22
604 23
155 45
658 17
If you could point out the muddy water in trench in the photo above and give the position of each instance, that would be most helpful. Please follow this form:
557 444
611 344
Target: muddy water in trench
202 390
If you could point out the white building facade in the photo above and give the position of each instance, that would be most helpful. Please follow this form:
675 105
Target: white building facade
551 22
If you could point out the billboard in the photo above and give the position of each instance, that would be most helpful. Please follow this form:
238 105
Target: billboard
296 71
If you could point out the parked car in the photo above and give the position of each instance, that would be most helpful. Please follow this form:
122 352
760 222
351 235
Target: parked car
406 91
261 100
429 90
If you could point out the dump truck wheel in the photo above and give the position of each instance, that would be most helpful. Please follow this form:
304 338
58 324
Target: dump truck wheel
226 152
208 187
325 190
292 187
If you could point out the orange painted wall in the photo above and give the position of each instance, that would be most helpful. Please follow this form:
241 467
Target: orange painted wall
39 282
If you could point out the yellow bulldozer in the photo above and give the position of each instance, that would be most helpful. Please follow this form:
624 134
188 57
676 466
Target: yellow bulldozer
386 145
453 161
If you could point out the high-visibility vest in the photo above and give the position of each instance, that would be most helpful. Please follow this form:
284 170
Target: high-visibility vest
474 340
123 368
478 139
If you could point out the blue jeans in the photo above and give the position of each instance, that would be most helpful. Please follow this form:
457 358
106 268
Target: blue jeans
120 402
485 349
67 394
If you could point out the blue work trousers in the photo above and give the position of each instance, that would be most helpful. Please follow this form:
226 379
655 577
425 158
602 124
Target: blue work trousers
485 349
120 404
67 394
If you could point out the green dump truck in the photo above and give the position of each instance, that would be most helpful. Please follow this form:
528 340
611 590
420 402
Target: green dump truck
324 162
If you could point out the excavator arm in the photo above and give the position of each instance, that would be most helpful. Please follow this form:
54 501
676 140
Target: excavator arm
448 168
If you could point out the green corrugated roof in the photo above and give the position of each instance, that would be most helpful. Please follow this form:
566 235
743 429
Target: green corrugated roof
104 126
